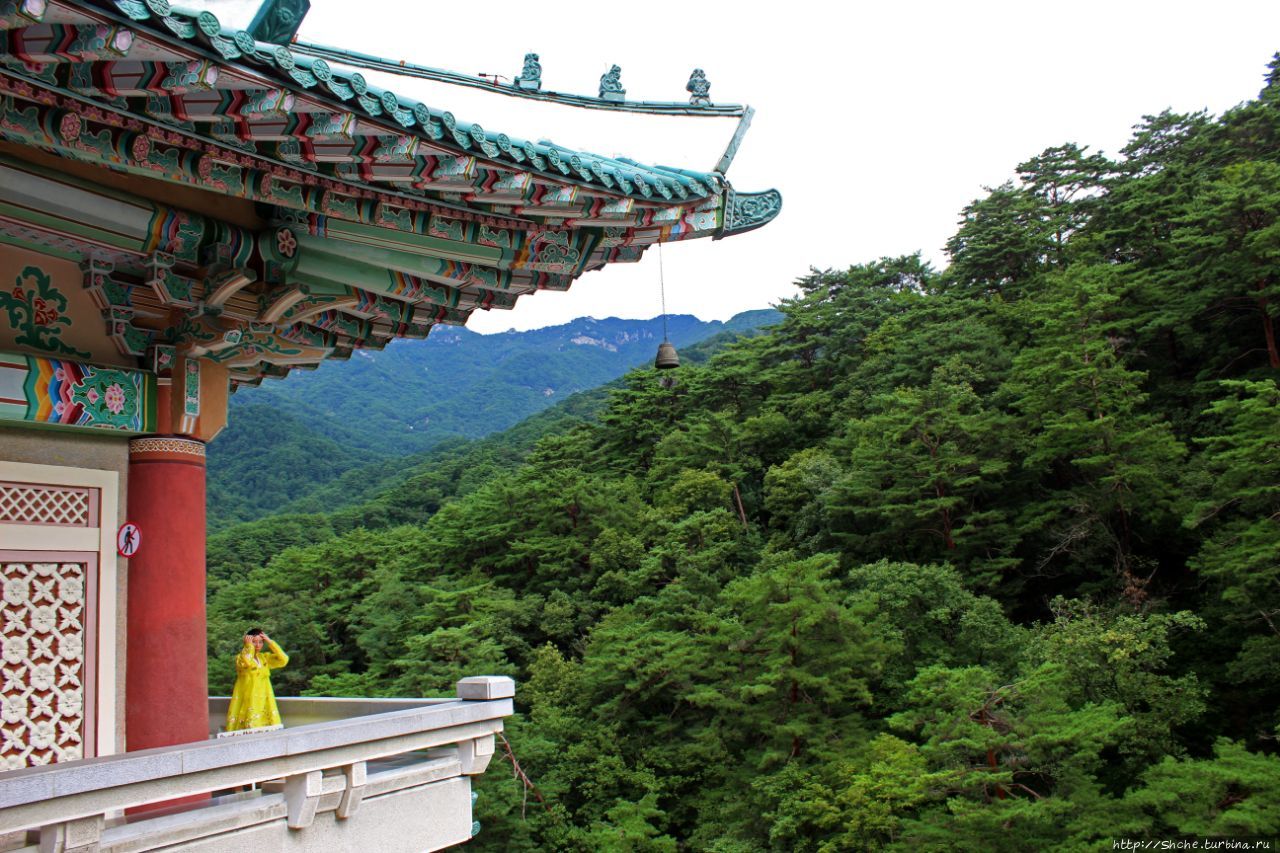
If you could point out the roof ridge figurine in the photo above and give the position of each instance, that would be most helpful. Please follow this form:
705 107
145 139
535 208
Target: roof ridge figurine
278 21
611 85
531 75
699 88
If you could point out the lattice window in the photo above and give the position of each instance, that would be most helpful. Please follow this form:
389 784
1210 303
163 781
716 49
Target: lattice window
64 506
42 660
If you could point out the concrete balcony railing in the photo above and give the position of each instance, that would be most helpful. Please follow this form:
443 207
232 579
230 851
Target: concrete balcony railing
307 710
369 775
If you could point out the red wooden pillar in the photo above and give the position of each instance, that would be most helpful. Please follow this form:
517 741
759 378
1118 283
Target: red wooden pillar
166 691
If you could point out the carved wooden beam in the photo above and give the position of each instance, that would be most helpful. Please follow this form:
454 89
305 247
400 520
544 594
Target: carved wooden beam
199 334
258 344
51 43
341 323
15 14
280 301
313 304
311 336
222 287
176 158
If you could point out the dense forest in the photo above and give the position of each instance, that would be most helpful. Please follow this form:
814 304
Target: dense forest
982 558
412 397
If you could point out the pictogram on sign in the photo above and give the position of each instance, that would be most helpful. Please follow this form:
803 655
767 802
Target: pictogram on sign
129 539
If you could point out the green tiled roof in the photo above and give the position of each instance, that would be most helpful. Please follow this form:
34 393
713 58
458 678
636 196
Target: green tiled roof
622 176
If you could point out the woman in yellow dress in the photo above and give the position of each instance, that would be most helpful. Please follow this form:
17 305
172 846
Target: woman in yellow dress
253 703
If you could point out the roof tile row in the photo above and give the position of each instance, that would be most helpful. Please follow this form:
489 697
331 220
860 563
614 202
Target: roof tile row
616 175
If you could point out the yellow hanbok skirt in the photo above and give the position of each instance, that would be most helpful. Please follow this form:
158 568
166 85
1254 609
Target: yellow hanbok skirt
253 703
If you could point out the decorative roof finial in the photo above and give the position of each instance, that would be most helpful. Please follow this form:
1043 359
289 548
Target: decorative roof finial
277 21
531 75
611 85
699 88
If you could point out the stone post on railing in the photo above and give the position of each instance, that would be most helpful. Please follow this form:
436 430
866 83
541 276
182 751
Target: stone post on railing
482 688
475 754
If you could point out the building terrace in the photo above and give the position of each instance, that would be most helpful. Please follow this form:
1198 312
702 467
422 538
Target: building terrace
185 210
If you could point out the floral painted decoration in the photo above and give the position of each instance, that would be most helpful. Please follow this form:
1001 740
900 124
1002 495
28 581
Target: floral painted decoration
38 312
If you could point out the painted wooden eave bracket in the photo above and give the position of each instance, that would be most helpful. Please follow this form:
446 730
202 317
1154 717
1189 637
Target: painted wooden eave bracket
281 303
222 287
114 300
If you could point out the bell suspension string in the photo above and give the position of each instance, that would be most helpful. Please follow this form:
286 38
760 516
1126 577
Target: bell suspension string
662 289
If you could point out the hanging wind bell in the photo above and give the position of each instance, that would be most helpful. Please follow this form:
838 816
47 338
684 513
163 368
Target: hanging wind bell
667 357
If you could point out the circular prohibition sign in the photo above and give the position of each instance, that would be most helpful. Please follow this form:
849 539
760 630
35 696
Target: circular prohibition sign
128 539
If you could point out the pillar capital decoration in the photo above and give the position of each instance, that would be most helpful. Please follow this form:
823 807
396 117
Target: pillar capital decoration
166 448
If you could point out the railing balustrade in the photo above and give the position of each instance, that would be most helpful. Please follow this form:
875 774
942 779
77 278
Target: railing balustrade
392 780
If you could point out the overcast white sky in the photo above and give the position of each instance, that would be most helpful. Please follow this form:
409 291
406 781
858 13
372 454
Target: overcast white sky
878 122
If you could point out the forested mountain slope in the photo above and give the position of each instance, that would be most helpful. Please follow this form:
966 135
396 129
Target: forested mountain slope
409 490
985 558
286 439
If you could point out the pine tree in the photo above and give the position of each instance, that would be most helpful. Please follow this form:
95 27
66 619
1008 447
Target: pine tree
1106 464
922 473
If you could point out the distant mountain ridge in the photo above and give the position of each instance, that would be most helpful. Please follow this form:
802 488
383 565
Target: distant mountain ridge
287 438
